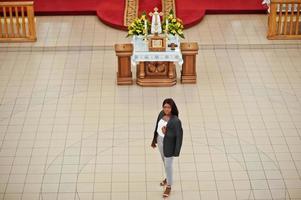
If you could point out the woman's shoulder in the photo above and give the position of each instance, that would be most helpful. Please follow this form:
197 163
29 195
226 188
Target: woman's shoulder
161 113
175 119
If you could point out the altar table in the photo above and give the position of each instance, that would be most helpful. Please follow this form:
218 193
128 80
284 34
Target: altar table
155 68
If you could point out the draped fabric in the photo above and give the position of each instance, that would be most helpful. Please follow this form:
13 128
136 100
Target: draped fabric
130 11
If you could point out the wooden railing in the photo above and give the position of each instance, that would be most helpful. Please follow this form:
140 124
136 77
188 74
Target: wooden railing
284 19
17 22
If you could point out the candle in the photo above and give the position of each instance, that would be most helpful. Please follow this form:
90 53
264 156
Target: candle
145 26
166 26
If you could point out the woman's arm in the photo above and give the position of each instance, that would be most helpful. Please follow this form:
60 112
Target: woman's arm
179 138
154 141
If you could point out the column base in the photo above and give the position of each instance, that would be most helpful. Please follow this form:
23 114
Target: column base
188 79
124 80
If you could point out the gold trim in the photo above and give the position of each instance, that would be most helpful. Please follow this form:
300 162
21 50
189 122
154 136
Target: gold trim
168 5
130 12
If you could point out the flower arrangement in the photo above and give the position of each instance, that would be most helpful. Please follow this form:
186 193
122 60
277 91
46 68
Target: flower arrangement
140 26
173 25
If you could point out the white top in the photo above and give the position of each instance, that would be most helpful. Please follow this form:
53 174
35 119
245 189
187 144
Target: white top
161 123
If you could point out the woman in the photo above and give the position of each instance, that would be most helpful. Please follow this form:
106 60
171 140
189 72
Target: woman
168 137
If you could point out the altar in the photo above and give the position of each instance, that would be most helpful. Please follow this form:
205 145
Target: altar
155 53
156 68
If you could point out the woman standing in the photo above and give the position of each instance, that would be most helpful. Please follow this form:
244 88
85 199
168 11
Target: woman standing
168 137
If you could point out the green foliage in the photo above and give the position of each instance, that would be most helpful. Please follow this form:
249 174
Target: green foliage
137 27
175 25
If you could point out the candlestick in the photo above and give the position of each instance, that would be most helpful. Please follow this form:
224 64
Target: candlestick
145 29
166 28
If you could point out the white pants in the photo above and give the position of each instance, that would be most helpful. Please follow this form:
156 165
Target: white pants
167 161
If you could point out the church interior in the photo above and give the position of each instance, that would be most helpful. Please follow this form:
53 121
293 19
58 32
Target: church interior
69 130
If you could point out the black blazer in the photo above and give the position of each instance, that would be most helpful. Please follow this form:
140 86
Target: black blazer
172 141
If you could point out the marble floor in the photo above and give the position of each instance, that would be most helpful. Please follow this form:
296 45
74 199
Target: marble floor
67 131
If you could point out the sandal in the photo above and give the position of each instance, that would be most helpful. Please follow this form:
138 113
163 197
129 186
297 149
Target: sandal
164 182
167 191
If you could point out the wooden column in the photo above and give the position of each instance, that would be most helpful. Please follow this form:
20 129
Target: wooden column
141 70
124 73
189 52
272 21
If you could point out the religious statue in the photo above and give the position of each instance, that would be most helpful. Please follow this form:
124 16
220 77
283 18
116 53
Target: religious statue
156 22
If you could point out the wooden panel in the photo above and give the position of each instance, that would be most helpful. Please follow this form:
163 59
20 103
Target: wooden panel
189 52
18 22
124 73
284 20
124 66
156 74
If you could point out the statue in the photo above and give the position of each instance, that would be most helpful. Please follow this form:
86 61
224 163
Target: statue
156 22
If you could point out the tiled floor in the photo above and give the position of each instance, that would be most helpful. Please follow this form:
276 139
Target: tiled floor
67 131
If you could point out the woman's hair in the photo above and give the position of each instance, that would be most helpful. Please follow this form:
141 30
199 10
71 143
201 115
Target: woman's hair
174 109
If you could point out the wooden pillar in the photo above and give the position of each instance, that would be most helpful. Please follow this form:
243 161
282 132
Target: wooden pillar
171 69
189 52
141 70
272 21
124 73
31 23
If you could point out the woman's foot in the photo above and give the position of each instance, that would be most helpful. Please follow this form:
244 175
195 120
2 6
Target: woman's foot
167 191
163 183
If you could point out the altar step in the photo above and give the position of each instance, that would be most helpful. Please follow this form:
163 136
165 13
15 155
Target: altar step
112 12
190 11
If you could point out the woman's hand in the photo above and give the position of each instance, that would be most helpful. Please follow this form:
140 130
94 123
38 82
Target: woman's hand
153 145
164 130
